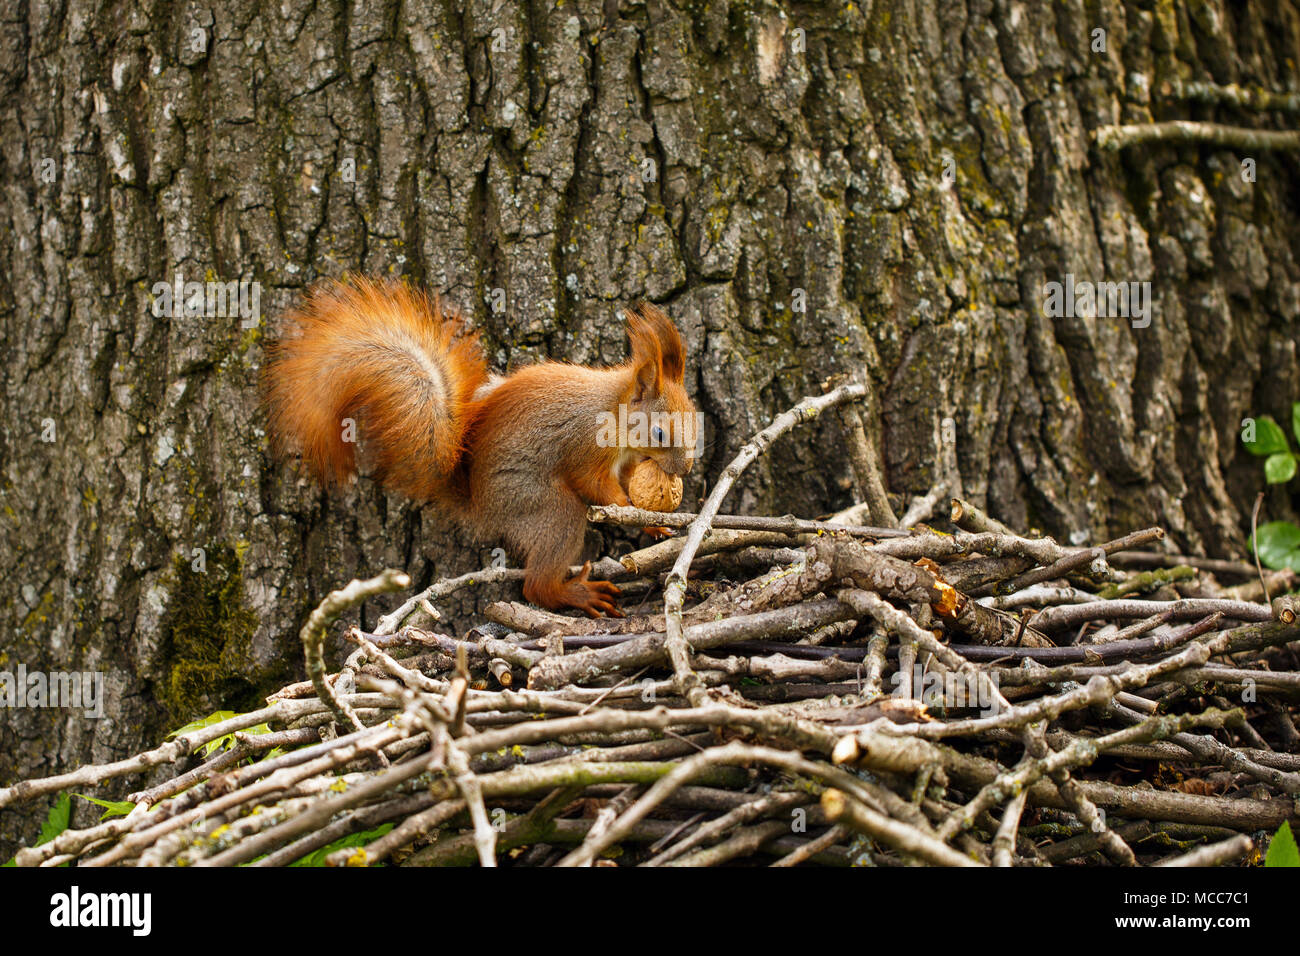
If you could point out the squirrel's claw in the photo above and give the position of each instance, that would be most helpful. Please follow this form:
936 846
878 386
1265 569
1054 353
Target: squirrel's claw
596 606
593 598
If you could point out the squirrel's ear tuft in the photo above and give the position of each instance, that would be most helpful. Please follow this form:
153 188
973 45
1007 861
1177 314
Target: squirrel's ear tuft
671 350
647 359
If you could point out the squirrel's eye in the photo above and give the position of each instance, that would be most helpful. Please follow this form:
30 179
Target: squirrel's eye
657 434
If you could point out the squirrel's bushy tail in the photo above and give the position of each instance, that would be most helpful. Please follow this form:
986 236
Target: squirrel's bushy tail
390 359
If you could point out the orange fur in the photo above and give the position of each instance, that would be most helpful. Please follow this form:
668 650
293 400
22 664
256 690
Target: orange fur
519 461
391 360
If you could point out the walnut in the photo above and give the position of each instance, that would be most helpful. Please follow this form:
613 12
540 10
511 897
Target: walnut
654 489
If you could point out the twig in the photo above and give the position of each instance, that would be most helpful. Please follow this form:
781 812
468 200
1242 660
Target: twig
1005 840
1216 854
1186 132
1254 544
688 684
1244 97
637 517
313 635
828 839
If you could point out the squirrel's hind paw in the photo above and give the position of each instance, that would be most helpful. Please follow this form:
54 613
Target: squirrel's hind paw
593 597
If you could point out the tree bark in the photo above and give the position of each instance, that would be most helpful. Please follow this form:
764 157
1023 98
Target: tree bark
880 188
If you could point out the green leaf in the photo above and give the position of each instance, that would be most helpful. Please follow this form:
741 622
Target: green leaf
1279 468
1282 850
55 822
317 857
212 746
113 808
1269 438
1295 420
202 722
1279 545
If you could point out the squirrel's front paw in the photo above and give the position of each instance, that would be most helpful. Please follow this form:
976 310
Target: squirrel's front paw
659 532
593 597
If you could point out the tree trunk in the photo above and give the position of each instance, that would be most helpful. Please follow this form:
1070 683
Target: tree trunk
883 189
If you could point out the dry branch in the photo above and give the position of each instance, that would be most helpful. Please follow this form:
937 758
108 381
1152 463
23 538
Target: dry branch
988 728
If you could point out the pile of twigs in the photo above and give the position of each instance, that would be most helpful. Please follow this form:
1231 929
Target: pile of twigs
833 694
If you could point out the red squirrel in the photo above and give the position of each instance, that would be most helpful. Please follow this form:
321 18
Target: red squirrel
517 458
